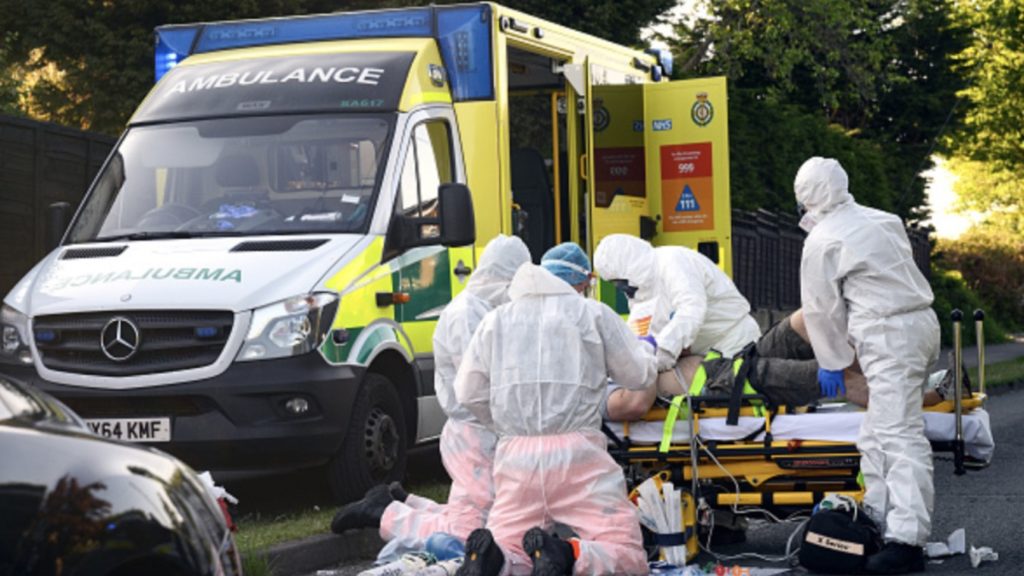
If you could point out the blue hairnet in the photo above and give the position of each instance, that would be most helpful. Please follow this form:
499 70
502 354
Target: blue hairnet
567 261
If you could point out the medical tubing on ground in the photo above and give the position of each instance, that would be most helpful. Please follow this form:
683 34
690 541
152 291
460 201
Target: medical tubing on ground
958 439
979 333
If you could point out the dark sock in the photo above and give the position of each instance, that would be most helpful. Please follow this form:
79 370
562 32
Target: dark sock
551 555
397 491
483 556
365 513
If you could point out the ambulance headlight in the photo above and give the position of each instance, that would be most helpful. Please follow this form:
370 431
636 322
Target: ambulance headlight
289 328
14 344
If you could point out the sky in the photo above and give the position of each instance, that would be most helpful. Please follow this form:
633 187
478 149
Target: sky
941 197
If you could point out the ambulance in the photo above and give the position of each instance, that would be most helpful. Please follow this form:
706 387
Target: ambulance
252 280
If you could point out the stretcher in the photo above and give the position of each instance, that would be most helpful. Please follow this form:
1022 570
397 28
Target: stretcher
779 461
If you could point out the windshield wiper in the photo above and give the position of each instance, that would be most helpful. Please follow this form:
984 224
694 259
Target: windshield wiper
166 235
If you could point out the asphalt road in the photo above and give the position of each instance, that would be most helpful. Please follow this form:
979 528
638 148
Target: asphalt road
988 504
994 353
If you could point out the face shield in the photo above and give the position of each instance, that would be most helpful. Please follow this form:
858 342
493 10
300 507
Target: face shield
625 287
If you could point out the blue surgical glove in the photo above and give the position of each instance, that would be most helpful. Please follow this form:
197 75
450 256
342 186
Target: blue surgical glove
831 382
650 340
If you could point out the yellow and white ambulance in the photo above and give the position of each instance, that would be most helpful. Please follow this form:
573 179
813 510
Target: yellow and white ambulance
253 279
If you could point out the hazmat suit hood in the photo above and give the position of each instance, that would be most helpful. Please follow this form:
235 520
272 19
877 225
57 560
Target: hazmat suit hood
497 266
533 280
625 257
821 185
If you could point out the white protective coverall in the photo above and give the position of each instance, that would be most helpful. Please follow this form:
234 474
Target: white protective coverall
467 447
687 300
536 372
863 295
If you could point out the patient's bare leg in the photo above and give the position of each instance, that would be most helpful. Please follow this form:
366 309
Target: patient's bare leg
796 322
857 388
668 382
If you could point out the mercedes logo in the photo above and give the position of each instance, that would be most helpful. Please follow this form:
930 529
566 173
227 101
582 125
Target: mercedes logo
120 339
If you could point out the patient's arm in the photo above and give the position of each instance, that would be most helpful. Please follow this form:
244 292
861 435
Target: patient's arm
668 382
626 405
630 405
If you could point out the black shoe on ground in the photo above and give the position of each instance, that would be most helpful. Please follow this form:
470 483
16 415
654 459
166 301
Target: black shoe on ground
363 513
551 555
397 491
483 557
896 558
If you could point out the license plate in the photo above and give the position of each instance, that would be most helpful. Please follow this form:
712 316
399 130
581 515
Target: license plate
133 429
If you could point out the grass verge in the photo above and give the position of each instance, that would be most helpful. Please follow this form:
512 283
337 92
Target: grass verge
257 533
1000 373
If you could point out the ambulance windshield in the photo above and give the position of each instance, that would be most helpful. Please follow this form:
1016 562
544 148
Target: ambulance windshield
239 176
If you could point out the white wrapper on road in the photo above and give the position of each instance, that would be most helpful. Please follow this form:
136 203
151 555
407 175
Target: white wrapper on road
691 302
863 295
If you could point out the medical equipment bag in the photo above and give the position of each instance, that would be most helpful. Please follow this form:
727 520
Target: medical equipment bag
838 542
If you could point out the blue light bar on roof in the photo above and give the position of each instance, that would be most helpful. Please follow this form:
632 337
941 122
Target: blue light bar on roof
385 24
664 56
173 44
463 33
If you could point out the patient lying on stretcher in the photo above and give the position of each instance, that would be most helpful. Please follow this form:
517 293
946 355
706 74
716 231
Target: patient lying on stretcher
785 371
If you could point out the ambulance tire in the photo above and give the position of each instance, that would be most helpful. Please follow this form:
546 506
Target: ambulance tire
375 448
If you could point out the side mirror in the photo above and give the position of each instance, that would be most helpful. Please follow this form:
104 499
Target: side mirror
458 225
58 216
452 224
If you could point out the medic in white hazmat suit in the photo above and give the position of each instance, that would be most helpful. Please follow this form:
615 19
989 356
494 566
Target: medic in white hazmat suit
864 297
466 446
536 372
689 303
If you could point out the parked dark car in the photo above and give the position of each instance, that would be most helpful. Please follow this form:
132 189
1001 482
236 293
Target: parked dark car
72 503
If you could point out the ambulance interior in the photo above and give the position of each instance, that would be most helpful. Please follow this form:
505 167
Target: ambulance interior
537 150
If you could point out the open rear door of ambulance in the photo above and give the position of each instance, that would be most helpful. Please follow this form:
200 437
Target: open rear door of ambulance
686 138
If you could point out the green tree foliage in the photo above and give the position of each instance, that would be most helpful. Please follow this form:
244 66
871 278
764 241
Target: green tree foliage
769 141
952 292
825 55
104 49
988 150
995 192
865 80
991 264
993 62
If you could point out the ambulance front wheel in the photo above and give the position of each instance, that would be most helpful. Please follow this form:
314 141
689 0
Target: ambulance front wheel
375 447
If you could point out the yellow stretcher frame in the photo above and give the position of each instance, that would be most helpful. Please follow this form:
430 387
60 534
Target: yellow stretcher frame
781 476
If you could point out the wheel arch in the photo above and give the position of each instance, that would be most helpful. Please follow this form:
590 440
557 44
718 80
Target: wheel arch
394 366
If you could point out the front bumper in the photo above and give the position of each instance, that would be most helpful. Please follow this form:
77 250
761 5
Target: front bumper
236 420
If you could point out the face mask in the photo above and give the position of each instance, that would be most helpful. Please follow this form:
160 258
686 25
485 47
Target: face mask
624 287
807 222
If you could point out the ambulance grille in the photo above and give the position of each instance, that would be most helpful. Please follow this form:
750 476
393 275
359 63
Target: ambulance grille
165 341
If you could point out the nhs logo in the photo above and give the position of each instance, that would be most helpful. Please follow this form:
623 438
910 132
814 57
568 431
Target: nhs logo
661 125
